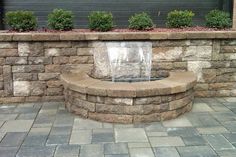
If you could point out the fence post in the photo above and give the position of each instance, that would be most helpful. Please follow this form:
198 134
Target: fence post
234 14
1 14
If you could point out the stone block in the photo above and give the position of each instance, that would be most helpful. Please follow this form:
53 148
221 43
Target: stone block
8 45
200 42
2 61
8 53
16 60
80 44
167 53
111 118
27 88
172 43
96 99
197 53
54 91
84 51
40 60
27 68
81 60
48 76
84 104
57 44
54 83
173 105
147 100
147 118
60 60
202 86
30 49
209 75
78 110
227 49
7 78
45 36
25 76
60 52
118 101
53 68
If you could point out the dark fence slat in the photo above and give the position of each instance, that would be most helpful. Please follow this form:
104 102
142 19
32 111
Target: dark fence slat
122 9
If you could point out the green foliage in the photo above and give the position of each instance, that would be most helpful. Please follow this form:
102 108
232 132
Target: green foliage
61 19
218 19
180 19
141 21
101 21
21 20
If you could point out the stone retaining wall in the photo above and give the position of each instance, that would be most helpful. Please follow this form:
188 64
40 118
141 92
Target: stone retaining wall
31 63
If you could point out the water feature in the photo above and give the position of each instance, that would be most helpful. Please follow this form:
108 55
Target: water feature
130 61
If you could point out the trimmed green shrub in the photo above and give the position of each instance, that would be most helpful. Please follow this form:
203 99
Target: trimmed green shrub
141 21
218 19
61 20
180 19
21 20
101 21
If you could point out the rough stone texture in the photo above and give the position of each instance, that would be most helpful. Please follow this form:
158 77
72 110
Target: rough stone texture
27 57
83 97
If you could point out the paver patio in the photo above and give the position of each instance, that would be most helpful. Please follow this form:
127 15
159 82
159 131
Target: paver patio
47 129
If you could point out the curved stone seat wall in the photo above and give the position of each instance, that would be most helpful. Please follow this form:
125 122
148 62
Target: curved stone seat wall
129 102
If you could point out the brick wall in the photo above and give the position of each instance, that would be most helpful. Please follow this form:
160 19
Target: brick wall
30 68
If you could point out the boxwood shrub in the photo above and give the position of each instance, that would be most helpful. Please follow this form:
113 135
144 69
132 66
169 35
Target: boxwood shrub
61 19
141 21
21 21
218 19
101 21
180 19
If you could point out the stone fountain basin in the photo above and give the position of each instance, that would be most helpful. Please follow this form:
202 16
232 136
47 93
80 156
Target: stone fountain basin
123 102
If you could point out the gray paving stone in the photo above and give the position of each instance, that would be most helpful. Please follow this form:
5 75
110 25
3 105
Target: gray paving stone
8 151
67 151
61 130
151 134
115 155
220 108
40 131
227 153
5 117
58 139
36 151
231 137
27 116
130 135
196 151
218 142
183 132
166 141
22 125
138 152
13 139
23 109
194 141
7 108
155 127
212 130
178 122
166 152
230 125
63 120
201 107
86 124
35 140
202 120
116 148
224 116
139 145
102 136
81 137
94 150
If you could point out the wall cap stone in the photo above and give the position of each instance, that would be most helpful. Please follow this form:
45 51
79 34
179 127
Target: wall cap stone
177 82
116 36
